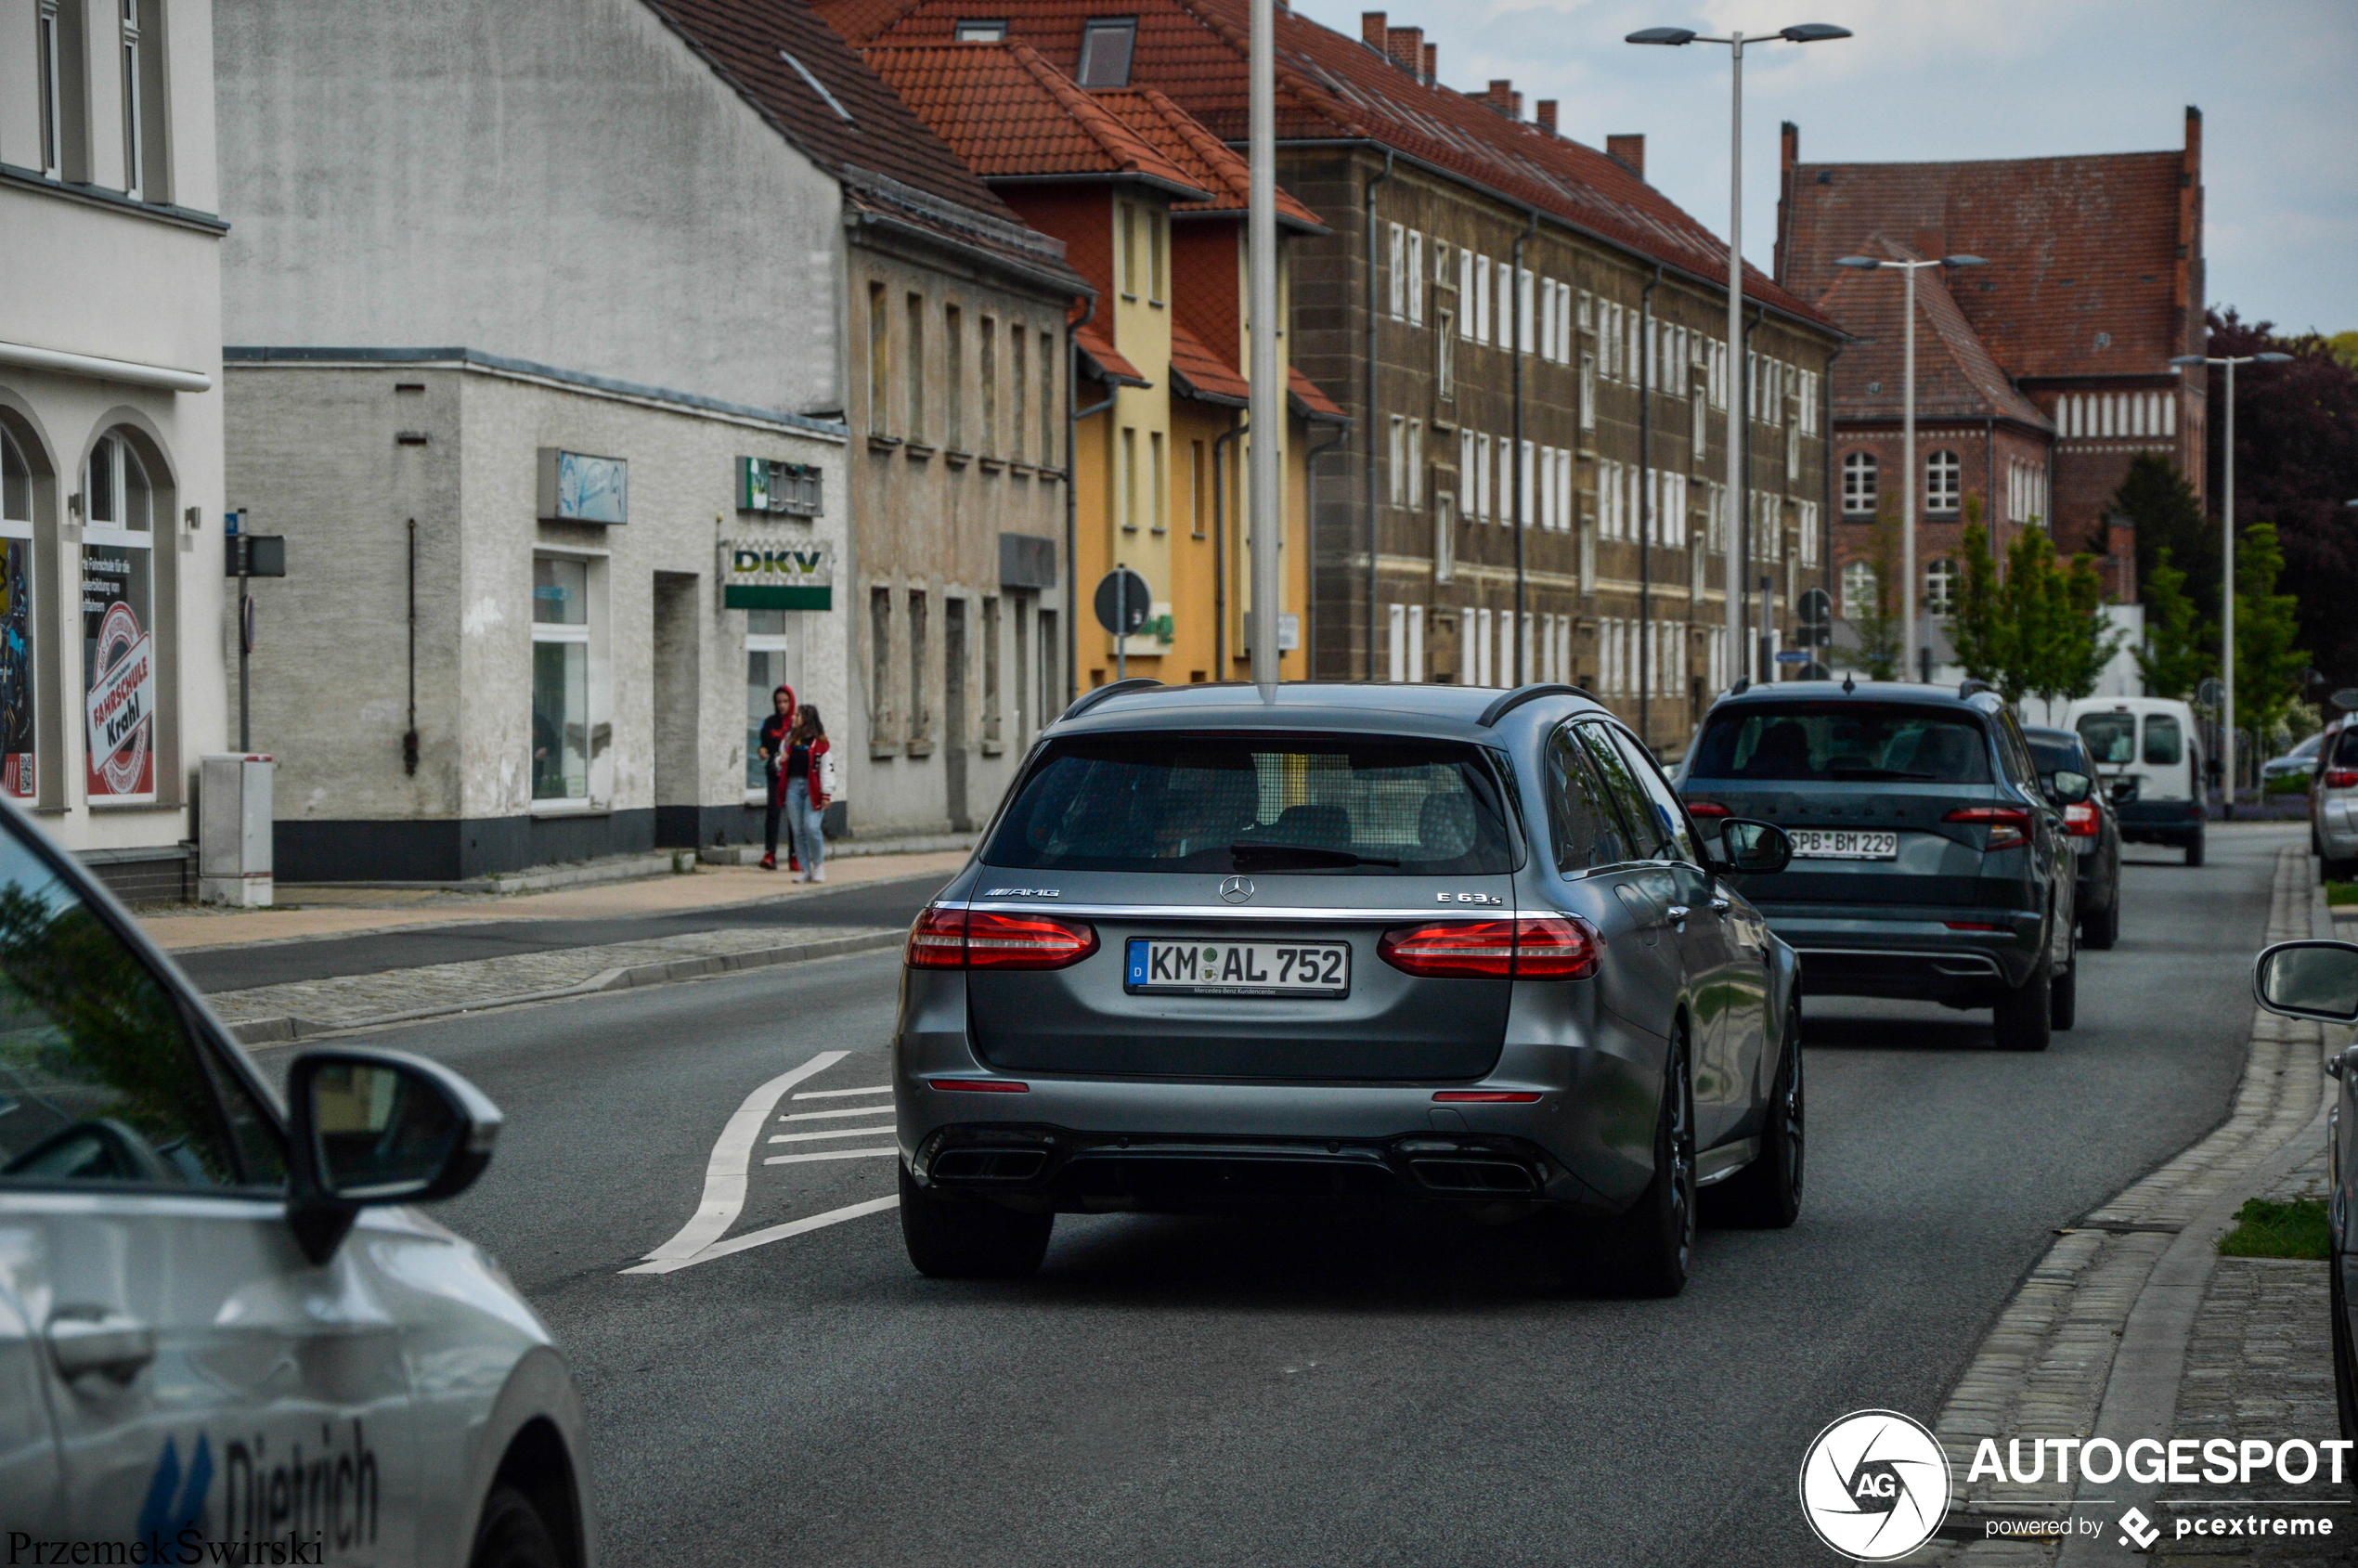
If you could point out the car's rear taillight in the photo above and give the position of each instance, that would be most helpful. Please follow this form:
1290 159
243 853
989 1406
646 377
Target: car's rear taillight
2009 825
2341 778
2082 819
957 939
1710 809
1542 948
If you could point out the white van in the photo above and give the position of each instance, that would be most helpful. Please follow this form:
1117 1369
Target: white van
2149 749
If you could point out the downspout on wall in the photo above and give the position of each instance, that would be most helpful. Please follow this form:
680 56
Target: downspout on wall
1367 206
1074 414
1522 501
1220 547
1310 505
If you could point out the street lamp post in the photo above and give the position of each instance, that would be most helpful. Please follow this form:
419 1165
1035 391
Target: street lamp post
2227 555
1908 434
1805 33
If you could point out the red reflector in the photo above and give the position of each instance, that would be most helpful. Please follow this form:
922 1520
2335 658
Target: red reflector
954 939
1707 808
2009 825
1972 926
2081 821
2341 778
1485 1097
981 1085
1544 948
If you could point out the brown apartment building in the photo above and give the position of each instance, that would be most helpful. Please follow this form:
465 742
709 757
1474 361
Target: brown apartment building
1529 341
2040 375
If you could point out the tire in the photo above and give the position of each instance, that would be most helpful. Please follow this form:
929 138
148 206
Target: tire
512 1533
2345 1360
2098 932
2194 850
976 1239
1648 1250
1766 1195
2063 996
2024 1018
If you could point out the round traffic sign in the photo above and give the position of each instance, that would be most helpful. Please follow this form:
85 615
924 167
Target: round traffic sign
1124 602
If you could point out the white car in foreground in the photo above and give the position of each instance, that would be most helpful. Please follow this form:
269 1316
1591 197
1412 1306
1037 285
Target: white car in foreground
221 1323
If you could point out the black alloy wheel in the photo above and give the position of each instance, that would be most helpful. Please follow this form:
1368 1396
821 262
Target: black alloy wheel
973 1238
1766 1195
512 1533
2025 1017
2099 931
1649 1249
2345 1362
2063 992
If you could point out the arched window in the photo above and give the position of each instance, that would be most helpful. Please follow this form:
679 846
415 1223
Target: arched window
1943 485
117 620
1940 588
1858 483
1858 589
18 649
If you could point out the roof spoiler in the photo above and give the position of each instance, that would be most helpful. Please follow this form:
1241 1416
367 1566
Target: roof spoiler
1088 700
1522 694
1972 688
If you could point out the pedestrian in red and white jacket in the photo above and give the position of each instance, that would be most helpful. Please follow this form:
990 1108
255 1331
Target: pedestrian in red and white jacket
808 773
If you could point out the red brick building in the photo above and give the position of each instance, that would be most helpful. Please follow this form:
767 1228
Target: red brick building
2038 376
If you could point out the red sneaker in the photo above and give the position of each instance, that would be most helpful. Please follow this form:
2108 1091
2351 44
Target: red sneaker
768 863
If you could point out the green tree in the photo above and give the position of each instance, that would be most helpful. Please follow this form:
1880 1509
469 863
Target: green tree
2267 660
1880 635
2180 648
2043 631
1979 628
2160 501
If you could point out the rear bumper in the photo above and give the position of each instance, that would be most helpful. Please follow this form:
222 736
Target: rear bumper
1913 959
2161 821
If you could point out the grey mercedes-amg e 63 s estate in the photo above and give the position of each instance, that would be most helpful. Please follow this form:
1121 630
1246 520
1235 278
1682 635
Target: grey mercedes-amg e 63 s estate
1430 944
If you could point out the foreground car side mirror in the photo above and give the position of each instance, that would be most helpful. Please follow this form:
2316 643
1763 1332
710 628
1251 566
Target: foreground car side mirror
2312 979
376 1127
1751 849
2068 788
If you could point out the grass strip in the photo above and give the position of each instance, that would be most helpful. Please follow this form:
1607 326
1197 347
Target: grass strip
2298 1229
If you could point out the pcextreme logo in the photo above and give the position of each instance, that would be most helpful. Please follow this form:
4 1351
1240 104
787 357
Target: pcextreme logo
1874 1485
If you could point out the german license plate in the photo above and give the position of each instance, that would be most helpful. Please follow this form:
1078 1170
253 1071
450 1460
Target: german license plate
1837 844
1226 968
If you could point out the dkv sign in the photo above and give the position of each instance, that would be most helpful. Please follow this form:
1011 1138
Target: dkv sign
121 707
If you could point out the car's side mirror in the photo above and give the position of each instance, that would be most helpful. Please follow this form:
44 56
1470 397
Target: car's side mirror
2309 979
2068 788
371 1127
1751 849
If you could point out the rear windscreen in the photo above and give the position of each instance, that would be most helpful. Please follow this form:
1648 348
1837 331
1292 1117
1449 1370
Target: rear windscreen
1837 741
1237 803
2111 737
2052 756
2346 749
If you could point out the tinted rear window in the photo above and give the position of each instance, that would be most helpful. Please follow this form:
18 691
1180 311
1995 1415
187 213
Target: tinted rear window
1223 803
2346 749
2111 737
1872 742
2051 755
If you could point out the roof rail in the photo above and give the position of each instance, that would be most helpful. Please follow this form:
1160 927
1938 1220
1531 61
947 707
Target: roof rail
1088 700
1972 688
1522 694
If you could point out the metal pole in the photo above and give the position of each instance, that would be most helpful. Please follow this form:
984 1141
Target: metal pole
1908 483
1268 418
245 657
2227 599
1735 606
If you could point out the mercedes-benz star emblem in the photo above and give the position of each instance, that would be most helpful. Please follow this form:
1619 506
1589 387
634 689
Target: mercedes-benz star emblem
1236 889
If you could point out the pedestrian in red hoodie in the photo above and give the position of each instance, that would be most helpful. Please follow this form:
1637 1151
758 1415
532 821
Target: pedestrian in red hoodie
775 731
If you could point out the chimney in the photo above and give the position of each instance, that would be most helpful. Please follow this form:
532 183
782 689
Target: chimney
1547 115
1789 155
1629 151
1405 46
1432 64
1514 106
1372 30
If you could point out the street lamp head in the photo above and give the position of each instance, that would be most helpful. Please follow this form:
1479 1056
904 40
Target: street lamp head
1864 264
1963 261
1661 35
1812 32
2273 358
2188 359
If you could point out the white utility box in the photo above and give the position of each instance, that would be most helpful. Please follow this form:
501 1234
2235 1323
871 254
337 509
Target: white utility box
233 831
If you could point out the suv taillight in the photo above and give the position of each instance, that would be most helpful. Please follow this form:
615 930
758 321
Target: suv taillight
957 939
1711 809
2341 778
1542 948
2082 820
2009 825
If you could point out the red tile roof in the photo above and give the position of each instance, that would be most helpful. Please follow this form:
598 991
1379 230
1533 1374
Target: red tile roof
1182 138
1955 376
2077 247
891 163
1198 374
1331 87
1310 403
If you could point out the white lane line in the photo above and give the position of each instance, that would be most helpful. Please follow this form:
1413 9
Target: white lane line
774 1233
824 1115
725 1172
884 1132
826 1154
839 1094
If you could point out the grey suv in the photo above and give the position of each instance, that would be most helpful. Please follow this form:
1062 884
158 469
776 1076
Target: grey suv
1418 944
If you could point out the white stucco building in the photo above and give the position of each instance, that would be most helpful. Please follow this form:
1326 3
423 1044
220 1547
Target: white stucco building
111 636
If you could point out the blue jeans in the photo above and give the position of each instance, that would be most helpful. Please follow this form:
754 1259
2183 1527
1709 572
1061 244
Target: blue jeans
802 826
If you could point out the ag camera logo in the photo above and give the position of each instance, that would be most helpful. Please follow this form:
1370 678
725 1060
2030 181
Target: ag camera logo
1874 1485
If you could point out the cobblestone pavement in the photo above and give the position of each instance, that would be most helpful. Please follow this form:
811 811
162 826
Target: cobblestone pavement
303 1007
2043 1370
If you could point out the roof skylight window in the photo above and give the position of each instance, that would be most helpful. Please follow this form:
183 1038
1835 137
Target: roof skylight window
983 31
1104 52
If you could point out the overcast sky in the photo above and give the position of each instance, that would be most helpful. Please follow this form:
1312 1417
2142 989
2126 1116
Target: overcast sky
2276 80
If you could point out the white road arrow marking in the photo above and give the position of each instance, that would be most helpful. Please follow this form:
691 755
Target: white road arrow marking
724 1176
774 1233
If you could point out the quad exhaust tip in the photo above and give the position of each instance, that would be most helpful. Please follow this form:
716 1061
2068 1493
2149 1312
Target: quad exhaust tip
988 1164
1485 1177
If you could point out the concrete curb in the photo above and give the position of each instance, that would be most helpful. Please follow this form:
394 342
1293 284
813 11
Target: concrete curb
284 1031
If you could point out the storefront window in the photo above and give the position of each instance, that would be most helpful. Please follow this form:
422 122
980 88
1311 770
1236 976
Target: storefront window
117 624
561 733
17 773
771 662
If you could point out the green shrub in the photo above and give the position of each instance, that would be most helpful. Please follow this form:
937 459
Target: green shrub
2298 1229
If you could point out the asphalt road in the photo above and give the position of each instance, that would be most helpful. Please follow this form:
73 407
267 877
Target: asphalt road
1197 1392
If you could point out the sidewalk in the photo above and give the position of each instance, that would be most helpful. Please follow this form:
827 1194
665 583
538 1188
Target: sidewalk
2133 1327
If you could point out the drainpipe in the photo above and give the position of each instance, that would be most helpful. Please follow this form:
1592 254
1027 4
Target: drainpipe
1220 551
1368 207
1522 501
1309 497
1645 498
1990 475
1073 416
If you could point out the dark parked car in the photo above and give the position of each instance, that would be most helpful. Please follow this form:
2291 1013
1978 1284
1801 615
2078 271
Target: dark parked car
2093 827
1929 863
1435 944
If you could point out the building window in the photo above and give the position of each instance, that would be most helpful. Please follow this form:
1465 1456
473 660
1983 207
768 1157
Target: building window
19 653
1445 537
118 621
1698 425
1157 482
563 733
1128 478
1396 459
1940 588
1397 278
1415 278
1018 390
920 717
1047 399
1104 52
1445 352
879 360
916 351
1480 310
953 378
1415 463
1858 483
990 669
1793 452
880 664
131 103
1942 474
771 646
993 31
1858 590
1465 291
1157 263
987 366
1481 478
50 85
1587 392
